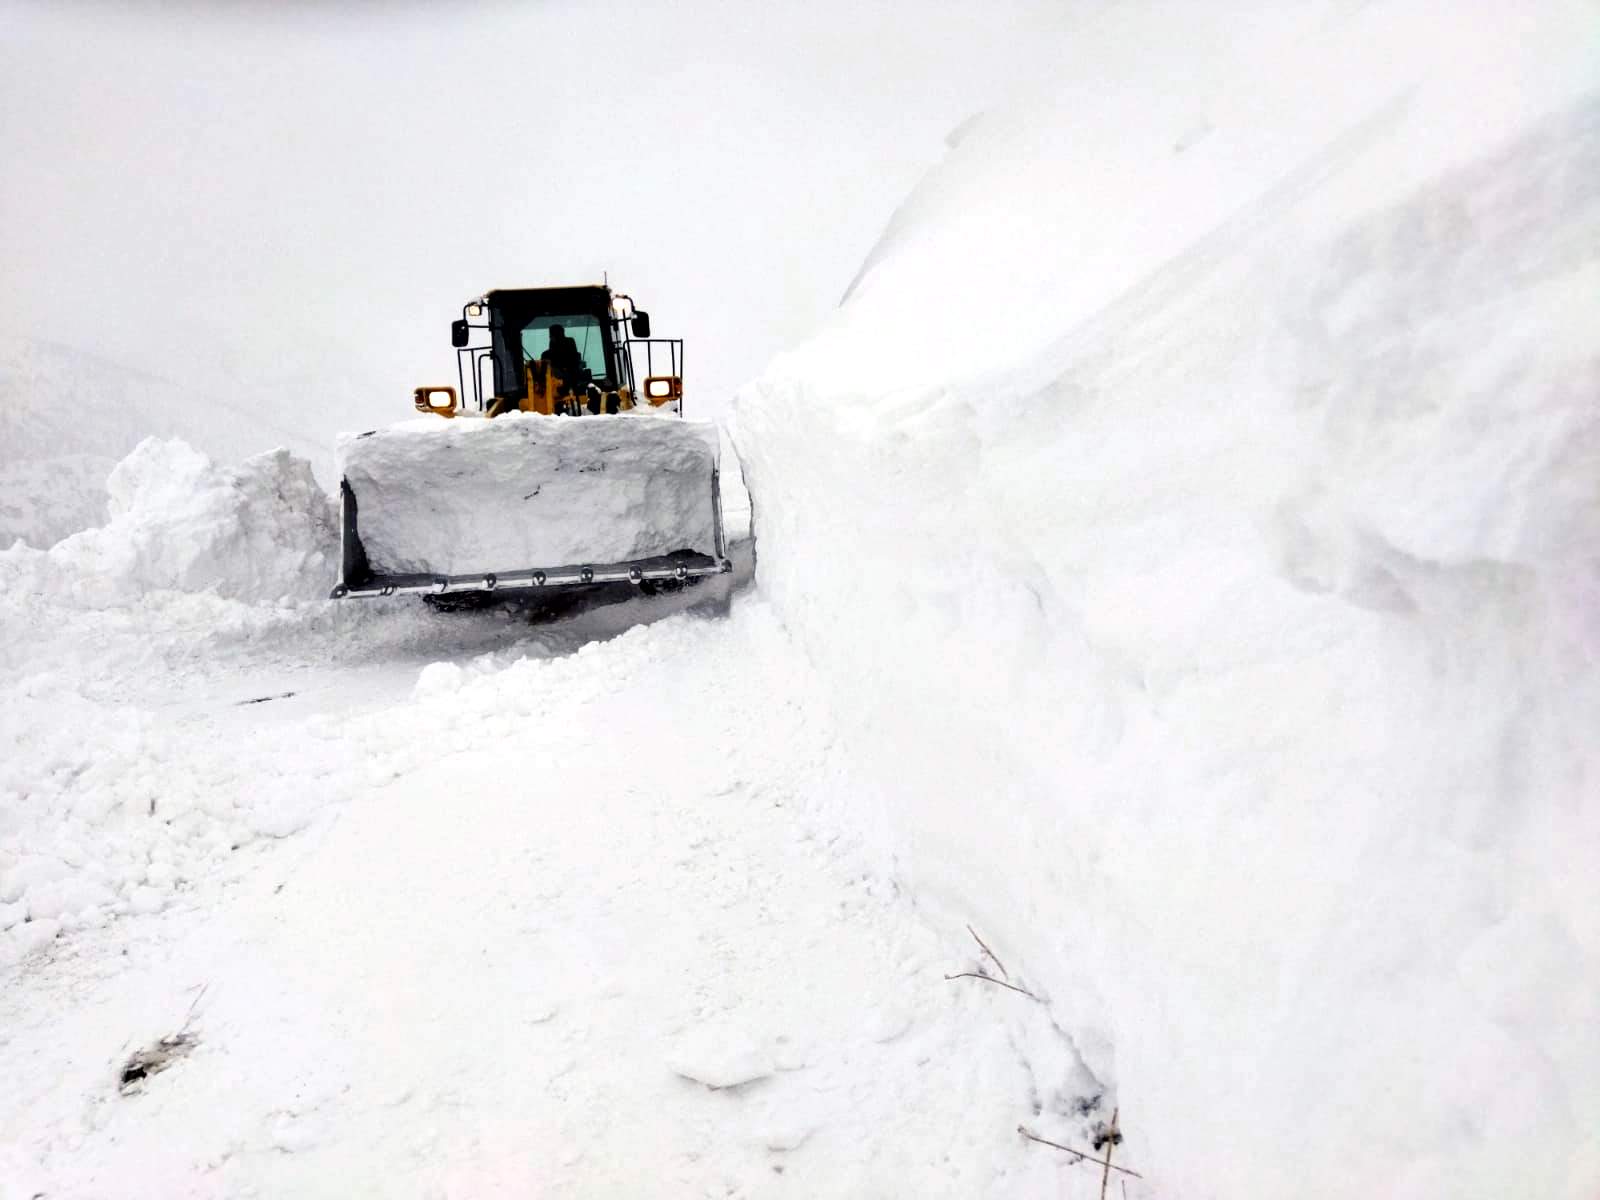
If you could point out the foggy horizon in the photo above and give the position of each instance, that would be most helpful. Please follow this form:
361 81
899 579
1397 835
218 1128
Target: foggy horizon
305 197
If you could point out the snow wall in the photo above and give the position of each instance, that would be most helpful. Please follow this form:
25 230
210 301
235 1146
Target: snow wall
1195 507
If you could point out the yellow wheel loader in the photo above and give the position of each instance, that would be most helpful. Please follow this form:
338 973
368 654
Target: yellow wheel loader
560 461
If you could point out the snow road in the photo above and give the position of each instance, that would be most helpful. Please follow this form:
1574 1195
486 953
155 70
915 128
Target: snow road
546 891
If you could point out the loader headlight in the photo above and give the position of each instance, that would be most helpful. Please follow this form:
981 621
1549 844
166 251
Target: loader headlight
658 389
438 400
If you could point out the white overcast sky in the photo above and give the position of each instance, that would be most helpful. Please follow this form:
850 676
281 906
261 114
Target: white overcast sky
305 194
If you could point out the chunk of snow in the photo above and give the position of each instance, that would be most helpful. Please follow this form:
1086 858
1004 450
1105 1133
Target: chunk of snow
31 871
719 1057
437 680
146 900
160 874
788 1054
22 940
889 1024
64 897
292 1134
786 1134
263 531
281 816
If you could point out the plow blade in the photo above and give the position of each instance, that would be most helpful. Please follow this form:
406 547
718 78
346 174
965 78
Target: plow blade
525 503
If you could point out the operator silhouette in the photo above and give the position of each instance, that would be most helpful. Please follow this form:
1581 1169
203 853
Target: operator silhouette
563 355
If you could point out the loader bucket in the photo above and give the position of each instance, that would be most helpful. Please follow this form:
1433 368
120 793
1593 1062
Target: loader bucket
527 502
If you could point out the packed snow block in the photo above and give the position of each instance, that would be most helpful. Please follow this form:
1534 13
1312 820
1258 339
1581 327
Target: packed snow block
263 531
523 491
720 1058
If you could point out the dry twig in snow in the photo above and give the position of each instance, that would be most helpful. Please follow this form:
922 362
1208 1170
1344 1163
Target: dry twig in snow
1082 1157
992 956
1112 1138
993 980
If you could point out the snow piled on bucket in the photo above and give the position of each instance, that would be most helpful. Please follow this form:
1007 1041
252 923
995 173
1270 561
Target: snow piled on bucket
455 497
263 531
1217 599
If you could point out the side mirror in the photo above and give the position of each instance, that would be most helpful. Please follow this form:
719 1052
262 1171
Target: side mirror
459 334
641 324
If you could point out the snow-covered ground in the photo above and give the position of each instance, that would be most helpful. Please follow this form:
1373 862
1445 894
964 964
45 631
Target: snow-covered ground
450 905
456 908
1179 567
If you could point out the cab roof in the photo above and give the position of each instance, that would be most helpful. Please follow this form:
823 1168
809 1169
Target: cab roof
519 305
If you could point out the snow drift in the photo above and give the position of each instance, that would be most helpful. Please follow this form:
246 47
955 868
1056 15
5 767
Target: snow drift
104 809
1220 605
262 531
524 490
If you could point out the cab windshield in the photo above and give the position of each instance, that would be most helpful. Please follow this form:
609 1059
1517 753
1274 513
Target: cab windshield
585 332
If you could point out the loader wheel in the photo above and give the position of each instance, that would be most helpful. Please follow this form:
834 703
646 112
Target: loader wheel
452 602
664 587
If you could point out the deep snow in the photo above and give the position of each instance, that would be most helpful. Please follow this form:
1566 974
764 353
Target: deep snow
96 818
1179 562
1216 589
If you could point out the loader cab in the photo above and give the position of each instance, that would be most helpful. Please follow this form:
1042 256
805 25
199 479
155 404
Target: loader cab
564 351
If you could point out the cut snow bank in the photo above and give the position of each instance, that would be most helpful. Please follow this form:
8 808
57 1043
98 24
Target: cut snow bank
261 531
1218 595
459 496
